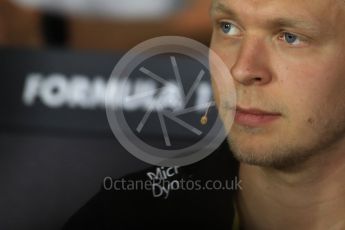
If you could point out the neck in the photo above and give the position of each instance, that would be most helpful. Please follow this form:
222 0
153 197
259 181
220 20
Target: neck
310 195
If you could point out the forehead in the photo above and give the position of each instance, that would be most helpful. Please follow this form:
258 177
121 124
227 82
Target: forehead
324 16
312 9
256 3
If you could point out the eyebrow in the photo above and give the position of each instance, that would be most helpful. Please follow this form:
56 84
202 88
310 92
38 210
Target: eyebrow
280 22
293 23
219 7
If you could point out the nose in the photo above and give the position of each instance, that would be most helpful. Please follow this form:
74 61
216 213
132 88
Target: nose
252 64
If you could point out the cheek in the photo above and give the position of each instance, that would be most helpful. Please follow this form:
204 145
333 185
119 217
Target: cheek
223 86
226 50
313 92
216 92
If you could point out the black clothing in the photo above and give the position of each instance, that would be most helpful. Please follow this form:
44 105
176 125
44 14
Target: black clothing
197 208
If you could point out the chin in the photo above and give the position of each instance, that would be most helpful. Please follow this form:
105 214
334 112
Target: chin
271 154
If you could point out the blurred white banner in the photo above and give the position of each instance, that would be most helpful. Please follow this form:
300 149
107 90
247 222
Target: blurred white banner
121 9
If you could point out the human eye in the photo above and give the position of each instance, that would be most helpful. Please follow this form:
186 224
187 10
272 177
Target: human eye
229 28
290 39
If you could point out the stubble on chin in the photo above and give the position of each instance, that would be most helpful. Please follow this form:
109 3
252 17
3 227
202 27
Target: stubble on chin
283 150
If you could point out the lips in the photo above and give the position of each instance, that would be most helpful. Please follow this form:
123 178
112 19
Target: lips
254 117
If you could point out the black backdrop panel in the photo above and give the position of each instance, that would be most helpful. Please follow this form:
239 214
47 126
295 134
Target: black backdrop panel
55 143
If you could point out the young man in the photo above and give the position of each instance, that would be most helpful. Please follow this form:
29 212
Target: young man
287 60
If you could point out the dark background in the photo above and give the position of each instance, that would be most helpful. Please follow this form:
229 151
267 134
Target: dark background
53 160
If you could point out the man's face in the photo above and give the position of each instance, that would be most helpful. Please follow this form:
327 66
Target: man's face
287 59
